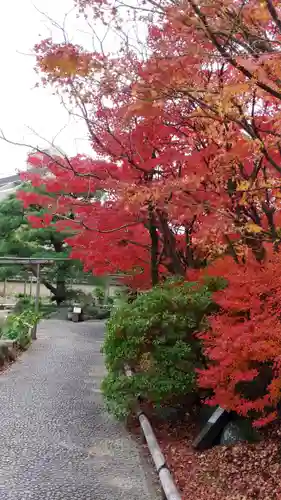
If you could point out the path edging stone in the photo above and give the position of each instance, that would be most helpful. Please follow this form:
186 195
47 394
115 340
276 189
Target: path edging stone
165 477
11 346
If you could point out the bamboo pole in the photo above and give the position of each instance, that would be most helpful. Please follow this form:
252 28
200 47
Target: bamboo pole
169 488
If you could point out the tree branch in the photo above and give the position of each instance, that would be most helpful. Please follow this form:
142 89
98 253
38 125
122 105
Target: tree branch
274 14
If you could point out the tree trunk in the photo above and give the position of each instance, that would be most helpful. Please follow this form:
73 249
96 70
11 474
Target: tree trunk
154 264
61 285
170 247
188 247
58 291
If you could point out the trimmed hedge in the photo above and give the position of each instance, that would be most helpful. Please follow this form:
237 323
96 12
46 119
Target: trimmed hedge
155 336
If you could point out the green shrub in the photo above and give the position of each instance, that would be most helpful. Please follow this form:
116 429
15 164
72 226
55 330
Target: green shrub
154 335
17 327
100 295
46 309
103 313
109 301
24 303
28 303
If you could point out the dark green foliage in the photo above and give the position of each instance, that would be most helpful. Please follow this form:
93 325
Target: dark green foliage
20 239
110 301
103 313
154 335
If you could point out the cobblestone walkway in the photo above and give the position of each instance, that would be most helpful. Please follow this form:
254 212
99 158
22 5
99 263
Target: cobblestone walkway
56 440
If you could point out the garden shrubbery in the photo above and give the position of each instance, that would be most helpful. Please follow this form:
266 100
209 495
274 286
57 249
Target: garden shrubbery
155 336
95 305
28 303
18 327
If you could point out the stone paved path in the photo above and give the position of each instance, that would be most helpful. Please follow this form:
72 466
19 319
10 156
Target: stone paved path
56 440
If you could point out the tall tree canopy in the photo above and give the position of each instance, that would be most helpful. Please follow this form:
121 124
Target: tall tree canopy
186 139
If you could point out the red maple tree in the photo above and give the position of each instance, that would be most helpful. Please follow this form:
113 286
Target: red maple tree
156 200
186 167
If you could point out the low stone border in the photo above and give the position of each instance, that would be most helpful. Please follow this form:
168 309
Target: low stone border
6 306
167 483
9 348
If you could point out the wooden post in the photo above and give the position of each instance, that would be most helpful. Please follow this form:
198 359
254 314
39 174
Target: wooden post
24 288
106 289
30 287
37 298
5 288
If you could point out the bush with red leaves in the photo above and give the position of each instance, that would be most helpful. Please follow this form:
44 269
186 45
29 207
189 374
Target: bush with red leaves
243 343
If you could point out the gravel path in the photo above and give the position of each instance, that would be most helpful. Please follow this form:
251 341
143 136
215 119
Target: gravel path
56 440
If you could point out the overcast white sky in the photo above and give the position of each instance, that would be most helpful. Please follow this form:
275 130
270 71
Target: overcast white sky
22 105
